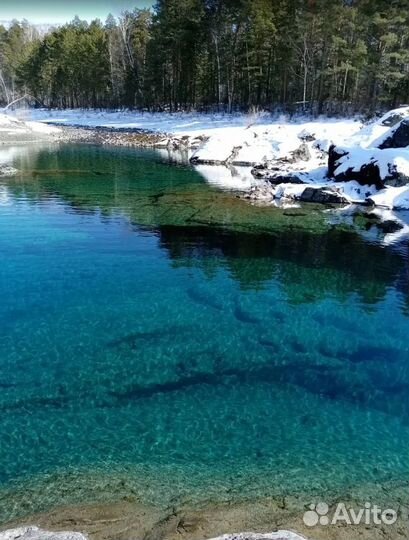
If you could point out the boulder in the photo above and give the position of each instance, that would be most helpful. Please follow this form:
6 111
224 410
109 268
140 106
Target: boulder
369 166
334 155
389 226
322 196
397 137
7 170
302 153
306 136
276 175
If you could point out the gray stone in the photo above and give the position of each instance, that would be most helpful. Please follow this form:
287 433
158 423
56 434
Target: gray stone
34 533
302 153
322 196
7 170
290 178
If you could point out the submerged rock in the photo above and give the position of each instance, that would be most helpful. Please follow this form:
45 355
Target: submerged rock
34 533
295 192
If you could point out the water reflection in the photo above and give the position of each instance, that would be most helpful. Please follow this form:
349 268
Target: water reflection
312 253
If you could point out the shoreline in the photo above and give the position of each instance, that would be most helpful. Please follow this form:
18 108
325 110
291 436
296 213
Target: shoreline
285 162
123 512
126 520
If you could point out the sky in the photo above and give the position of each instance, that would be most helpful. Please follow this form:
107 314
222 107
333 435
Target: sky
57 11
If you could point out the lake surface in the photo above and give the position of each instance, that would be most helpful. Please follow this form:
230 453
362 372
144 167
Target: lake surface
163 339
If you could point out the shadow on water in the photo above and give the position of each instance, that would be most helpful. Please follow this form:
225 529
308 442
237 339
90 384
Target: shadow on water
148 315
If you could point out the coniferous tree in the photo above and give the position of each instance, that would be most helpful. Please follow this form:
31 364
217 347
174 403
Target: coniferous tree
307 55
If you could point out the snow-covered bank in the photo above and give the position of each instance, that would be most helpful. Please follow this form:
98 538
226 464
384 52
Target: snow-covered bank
13 132
19 130
260 136
290 157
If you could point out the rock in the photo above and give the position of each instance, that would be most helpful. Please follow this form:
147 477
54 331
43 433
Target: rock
322 196
369 220
389 226
369 173
291 178
397 137
261 192
279 535
7 170
394 118
280 170
274 174
334 154
34 533
306 136
302 153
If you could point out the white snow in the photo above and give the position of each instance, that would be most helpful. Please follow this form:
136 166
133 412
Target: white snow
260 143
228 178
374 133
255 140
354 192
12 125
398 158
392 197
264 137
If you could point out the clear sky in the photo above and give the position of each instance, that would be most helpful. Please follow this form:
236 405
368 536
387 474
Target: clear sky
57 11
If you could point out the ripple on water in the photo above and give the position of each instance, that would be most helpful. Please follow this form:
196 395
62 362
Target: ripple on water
145 355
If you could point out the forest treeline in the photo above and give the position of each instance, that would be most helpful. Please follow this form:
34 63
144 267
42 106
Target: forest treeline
315 55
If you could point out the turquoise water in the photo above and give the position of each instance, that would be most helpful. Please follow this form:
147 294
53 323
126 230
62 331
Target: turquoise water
160 331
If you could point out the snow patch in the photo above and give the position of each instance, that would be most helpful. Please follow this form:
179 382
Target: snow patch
398 158
392 197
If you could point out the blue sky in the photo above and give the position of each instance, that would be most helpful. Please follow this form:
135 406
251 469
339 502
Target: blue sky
54 11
